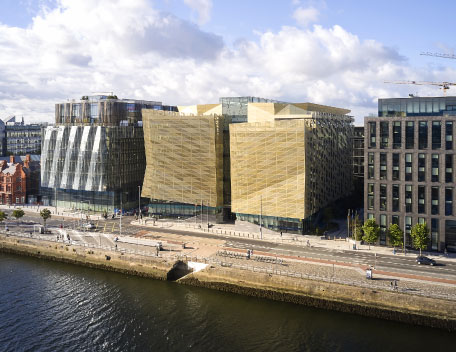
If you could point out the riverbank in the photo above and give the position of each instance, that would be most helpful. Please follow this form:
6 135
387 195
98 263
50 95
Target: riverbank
378 303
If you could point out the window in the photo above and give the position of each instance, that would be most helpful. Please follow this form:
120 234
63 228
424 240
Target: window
397 135
436 135
421 221
396 170
408 198
395 219
383 197
423 135
94 110
410 135
17 200
408 167
448 201
448 168
435 200
448 135
421 167
370 216
408 228
396 198
372 134
421 199
383 163
370 196
435 168
382 229
370 166
384 135
434 233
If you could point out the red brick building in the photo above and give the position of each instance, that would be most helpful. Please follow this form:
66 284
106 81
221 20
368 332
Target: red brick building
13 182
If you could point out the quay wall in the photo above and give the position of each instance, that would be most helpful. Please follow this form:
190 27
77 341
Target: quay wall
383 304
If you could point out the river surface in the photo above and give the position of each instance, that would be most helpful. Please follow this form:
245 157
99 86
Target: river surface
49 306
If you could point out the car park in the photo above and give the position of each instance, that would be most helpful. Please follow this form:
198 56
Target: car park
425 260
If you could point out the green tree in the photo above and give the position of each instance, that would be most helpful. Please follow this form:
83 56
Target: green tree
395 235
18 213
371 231
45 214
357 229
3 216
420 236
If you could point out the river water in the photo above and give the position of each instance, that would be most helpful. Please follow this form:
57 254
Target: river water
48 306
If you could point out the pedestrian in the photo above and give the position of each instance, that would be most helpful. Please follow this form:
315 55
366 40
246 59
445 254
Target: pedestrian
280 233
116 246
391 285
308 243
395 285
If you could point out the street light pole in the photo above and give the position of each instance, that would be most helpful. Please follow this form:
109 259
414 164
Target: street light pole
261 217
120 225
139 204
405 225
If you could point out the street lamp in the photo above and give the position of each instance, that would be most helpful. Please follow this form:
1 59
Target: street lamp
405 225
139 204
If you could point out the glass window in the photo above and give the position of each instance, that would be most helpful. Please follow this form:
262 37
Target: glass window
382 229
395 219
434 200
370 166
436 135
383 197
372 134
448 135
421 221
410 135
397 135
384 135
434 233
423 135
396 198
408 167
370 196
396 169
408 198
435 168
408 228
383 163
421 167
448 201
448 168
370 216
94 110
421 199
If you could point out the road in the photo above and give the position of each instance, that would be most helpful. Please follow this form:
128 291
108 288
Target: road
397 263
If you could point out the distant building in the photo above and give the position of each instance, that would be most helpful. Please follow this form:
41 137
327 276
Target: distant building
409 173
19 138
288 162
93 158
358 162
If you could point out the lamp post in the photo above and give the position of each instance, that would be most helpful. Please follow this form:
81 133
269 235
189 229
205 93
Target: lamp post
405 225
261 217
139 204
120 219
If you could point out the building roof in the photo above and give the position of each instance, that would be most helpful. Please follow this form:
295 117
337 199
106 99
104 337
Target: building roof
11 169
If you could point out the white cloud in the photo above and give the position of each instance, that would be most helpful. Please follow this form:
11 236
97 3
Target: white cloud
130 48
202 7
305 16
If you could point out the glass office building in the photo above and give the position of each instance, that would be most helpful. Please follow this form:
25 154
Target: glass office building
94 158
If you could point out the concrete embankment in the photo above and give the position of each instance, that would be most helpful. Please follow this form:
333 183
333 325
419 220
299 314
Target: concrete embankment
155 268
388 305
384 304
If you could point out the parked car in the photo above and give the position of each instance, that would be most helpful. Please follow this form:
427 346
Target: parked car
425 260
89 226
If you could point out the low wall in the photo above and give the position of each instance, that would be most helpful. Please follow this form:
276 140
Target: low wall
155 268
382 304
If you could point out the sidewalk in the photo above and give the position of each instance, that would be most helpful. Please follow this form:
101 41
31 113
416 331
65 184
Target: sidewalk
54 211
252 231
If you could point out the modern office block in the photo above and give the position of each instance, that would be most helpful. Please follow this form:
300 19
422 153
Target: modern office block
17 138
408 174
93 158
184 155
292 161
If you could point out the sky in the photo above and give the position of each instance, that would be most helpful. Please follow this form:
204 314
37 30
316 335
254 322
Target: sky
332 52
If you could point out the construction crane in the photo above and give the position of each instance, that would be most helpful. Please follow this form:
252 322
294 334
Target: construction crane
444 85
445 56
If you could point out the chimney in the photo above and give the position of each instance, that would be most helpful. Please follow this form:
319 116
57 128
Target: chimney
12 159
27 161
2 164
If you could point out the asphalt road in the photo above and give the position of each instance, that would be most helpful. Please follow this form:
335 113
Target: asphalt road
397 263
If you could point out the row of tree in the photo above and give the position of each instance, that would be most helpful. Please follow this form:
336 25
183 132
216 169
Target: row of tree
19 213
369 232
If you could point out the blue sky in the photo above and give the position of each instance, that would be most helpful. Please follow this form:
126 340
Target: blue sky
193 51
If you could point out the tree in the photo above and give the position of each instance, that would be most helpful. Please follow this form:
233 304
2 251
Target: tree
420 236
3 216
45 214
357 228
395 235
18 213
371 231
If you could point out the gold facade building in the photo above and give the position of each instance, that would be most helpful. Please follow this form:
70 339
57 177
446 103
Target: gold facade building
184 156
289 161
